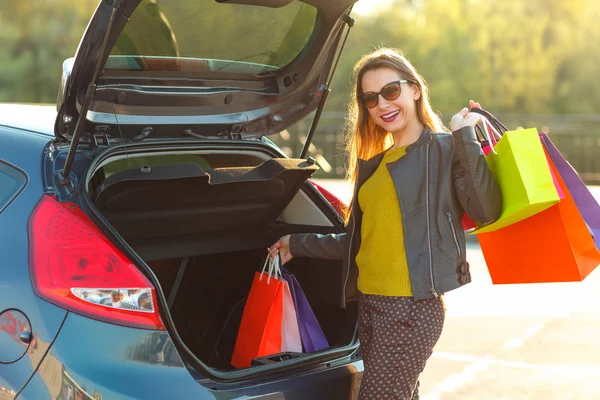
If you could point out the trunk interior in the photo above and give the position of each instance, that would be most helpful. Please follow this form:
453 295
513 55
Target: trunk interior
207 308
203 228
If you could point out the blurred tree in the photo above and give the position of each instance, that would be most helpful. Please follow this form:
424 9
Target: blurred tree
518 56
35 37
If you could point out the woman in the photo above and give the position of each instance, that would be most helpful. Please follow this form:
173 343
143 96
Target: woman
404 246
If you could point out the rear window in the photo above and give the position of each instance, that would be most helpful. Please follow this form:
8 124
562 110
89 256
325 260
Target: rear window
208 35
11 183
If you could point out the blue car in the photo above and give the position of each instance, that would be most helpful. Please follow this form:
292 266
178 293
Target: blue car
135 213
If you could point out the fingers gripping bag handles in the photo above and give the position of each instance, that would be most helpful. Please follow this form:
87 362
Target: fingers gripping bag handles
260 332
520 167
313 338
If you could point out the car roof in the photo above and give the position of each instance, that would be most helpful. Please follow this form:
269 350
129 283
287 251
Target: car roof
32 117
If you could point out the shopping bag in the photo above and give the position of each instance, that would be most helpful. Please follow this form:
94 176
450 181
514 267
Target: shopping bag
552 246
313 338
261 326
290 331
469 223
518 167
586 203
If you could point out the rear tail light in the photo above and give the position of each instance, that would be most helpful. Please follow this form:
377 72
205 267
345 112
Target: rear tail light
335 202
74 266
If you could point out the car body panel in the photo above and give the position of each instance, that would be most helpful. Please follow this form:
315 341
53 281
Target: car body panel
23 150
115 362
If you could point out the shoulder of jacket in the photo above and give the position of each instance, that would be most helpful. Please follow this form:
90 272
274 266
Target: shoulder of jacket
442 137
442 134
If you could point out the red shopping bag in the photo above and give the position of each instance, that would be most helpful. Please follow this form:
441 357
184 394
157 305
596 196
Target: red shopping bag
261 326
552 246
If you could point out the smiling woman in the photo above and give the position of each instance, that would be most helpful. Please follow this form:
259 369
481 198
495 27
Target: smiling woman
263 38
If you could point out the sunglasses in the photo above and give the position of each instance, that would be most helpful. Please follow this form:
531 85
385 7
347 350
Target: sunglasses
391 91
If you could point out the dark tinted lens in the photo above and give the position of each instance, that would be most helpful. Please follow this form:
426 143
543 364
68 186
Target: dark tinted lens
369 100
391 91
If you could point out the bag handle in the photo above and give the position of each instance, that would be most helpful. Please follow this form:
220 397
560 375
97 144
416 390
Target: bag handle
273 269
486 124
479 134
263 269
488 134
493 120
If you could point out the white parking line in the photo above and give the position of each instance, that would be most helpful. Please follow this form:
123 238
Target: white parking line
577 370
520 341
479 364
455 381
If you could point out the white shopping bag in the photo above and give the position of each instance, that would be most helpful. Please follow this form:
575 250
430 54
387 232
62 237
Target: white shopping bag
290 332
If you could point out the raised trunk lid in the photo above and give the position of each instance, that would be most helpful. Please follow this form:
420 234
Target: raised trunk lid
202 65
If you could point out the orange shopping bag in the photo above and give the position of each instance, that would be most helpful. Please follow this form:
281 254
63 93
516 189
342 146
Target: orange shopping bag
261 326
555 245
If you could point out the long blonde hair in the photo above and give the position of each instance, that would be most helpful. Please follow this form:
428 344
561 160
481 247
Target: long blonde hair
364 138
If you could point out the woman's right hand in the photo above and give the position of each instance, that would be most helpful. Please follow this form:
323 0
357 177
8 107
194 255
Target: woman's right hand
282 246
465 118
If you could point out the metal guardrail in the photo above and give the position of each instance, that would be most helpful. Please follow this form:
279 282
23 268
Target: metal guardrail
576 136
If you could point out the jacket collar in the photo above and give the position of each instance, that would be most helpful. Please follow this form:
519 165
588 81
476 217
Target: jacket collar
425 135
366 168
376 160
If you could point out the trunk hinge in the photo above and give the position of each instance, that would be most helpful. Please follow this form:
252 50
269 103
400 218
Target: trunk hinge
236 132
325 89
101 136
63 176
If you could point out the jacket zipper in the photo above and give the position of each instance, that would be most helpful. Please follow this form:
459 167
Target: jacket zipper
428 227
454 234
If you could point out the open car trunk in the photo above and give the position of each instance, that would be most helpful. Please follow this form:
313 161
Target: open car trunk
208 306
203 225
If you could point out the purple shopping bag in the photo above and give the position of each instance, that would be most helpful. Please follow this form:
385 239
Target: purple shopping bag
586 203
313 338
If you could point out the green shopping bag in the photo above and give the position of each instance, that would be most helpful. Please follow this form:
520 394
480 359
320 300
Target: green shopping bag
520 167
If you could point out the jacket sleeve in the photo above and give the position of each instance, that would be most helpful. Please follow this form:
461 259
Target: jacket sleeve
315 245
477 191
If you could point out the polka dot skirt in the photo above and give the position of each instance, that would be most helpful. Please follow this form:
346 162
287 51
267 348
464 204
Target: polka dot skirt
397 336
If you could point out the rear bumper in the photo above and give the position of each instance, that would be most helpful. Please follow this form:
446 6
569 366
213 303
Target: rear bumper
102 361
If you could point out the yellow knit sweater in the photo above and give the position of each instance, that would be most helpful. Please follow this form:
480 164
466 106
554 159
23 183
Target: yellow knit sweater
381 259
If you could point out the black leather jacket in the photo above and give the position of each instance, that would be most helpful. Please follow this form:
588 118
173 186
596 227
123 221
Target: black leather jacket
441 175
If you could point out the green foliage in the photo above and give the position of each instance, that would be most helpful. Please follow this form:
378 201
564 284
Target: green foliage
520 56
35 37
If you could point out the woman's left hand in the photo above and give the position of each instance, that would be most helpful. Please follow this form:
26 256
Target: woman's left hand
465 118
